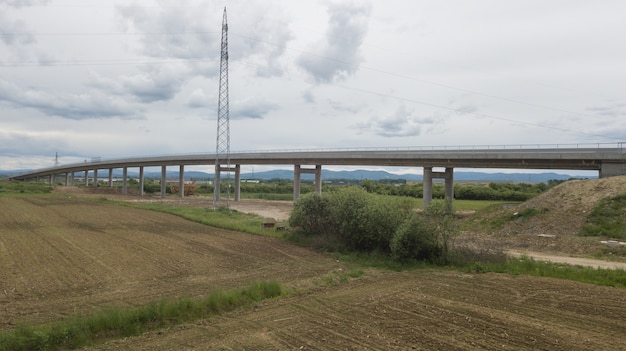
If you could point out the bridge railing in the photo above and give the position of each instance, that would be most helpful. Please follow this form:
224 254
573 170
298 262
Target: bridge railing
617 145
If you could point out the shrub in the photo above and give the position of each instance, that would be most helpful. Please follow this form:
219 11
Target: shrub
415 240
350 218
311 213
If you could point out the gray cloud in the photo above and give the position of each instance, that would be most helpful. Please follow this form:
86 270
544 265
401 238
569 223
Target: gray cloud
171 31
339 55
14 32
253 109
198 99
402 123
609 110
155 83
19 143
23 3
86 105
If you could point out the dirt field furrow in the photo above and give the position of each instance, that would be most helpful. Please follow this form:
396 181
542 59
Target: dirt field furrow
73 256
64 256
406 311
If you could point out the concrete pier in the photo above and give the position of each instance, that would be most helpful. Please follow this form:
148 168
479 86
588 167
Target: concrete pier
125 181
448 177
181 181
141 180
163 181
297 173
218 179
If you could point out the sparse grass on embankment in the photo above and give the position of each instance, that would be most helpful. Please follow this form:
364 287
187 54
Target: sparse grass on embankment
528 266
607 219
118 322
16 187
219 218
476 262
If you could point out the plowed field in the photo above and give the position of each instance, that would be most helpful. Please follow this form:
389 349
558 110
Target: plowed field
63 256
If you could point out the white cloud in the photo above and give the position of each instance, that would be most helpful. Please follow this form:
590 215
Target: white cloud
142 77
338 55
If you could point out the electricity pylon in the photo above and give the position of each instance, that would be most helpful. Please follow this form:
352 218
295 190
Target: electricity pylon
222 150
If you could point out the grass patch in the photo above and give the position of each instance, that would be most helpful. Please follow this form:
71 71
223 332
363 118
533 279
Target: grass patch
607 219
478 205
17 187
528 266
268 196
495 261
117 322
220 218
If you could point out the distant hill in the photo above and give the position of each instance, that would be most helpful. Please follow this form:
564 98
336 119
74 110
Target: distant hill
355 175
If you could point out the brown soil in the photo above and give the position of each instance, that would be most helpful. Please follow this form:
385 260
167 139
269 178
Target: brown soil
559 216
421 310
65 255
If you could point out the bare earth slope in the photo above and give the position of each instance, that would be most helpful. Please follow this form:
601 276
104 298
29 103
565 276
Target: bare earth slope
559 215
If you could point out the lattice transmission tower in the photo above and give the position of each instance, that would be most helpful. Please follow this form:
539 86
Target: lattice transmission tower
222 150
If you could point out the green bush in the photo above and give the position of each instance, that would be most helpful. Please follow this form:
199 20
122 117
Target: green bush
350 218
311 214
415 240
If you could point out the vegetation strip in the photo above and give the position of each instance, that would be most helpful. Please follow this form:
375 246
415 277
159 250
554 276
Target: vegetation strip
118 322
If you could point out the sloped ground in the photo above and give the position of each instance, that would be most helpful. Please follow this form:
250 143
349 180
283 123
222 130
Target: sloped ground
63 255
558 215
419 310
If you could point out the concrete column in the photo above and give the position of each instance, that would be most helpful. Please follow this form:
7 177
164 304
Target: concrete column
181 181
163 180
95 178
297 172
52 180
427 185
296 182
237 182
67 178
318 179
72 179
86 178
125 180
216 184
141 181
110 177
449 184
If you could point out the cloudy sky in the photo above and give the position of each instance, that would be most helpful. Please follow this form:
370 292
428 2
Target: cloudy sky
111 79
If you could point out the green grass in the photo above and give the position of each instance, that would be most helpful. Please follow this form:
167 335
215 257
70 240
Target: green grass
607 219
16 187
117 322
477 205
219 218
528 266
268 196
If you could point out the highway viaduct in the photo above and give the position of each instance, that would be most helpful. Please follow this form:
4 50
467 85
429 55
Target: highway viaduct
608 159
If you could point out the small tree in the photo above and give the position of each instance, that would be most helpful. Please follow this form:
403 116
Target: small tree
311 213
425 237
415 240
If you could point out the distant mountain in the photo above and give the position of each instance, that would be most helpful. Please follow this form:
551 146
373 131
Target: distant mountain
379 175
351 175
